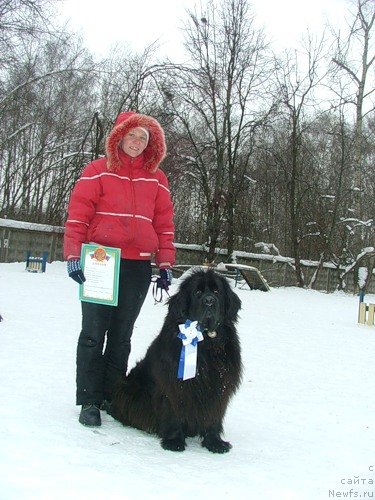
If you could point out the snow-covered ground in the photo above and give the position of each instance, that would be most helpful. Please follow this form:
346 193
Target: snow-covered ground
302 425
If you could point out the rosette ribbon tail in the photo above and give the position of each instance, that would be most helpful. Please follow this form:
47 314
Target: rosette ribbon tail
190 336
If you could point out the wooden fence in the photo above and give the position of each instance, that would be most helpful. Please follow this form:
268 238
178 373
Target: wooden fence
17 238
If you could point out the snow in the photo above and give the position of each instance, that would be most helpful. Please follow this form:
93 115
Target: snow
30 226
301 425
362 276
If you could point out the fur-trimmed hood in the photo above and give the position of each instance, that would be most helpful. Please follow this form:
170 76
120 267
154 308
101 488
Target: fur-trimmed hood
156 149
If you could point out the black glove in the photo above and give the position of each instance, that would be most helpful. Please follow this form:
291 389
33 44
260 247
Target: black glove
75 271
165 279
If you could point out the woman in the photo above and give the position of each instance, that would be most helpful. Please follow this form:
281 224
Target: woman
121 201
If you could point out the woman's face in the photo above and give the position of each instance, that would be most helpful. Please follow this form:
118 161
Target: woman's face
134 142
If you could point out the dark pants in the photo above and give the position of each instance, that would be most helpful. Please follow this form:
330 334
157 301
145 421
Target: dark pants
104 342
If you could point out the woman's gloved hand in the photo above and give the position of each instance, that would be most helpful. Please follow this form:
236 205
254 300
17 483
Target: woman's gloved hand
75 271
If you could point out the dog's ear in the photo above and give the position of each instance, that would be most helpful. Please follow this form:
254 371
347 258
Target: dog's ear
233 302
177 305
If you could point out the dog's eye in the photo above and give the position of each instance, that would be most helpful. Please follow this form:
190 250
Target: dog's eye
198 292
216 291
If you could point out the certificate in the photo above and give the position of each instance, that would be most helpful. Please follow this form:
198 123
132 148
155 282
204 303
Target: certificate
101 267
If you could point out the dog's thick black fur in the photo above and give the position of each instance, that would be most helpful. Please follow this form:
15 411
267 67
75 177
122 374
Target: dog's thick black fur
153 399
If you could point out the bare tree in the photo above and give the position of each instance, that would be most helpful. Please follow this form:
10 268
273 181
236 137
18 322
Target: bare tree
20 19
217 100
355 59
41 108
298 77
126 81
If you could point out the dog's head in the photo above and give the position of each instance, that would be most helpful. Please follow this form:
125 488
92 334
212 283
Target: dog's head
206 297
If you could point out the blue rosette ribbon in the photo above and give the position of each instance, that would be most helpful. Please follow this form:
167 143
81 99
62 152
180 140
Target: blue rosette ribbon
190 336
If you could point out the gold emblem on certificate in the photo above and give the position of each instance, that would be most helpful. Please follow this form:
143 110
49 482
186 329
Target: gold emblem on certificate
101 267
100 254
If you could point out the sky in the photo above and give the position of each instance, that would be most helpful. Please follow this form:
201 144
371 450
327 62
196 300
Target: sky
301 425
142 23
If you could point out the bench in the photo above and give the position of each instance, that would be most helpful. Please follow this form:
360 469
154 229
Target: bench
239 272
251 275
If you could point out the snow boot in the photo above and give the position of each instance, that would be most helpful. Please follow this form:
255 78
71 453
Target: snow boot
90 415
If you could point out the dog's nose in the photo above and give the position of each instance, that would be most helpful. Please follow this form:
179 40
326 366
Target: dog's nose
209 300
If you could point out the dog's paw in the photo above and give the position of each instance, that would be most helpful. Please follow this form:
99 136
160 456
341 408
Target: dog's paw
173 444
216 445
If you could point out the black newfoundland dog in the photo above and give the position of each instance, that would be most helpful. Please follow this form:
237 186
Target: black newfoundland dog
155 397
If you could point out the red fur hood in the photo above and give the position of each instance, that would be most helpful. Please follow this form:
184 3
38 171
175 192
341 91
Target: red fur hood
156 149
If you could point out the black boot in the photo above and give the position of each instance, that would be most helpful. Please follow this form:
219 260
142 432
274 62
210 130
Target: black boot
90 415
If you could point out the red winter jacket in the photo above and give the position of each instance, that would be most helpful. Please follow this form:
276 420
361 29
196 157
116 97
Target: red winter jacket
124 202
